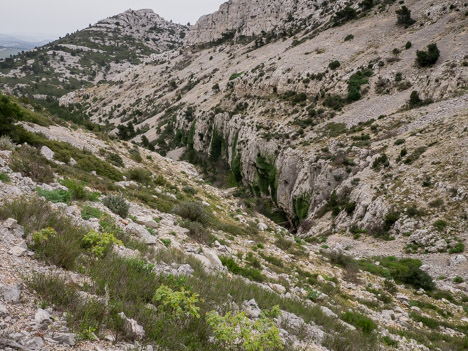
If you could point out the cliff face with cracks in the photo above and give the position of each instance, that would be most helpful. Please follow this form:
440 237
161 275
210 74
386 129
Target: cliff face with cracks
286 125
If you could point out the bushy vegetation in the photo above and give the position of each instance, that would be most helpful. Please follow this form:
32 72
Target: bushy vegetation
117 204
99 243
237 332
429 56
194 212
139 175
249 272
360 321
405 270
404 16
30 163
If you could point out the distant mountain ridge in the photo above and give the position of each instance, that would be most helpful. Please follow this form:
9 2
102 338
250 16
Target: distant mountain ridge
88 56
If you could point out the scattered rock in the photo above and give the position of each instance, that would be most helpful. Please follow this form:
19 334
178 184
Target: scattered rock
65 338
457 260
10 293
251 309
132 328
47 153
42 316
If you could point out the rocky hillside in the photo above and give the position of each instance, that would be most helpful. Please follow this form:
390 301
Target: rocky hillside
86 57
337 129
103 242
324 206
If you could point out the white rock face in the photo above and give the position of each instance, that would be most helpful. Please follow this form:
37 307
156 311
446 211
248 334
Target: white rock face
47 153
248 18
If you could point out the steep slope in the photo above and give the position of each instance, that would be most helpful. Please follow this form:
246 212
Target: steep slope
324 125
96 53
92 261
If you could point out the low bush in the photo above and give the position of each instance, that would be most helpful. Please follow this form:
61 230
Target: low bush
30 163
237 332
55 196
6 143
360 321
139 175
178 304
99 243
117 204
404 16
458 248
197 232
91 212
334 65
4 177
428 57
250 273
194 212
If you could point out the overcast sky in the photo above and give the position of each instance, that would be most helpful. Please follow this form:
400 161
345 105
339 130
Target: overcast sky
49 19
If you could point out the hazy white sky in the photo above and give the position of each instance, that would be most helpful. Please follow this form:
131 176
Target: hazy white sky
49 19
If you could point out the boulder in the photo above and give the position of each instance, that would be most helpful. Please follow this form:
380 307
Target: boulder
47 153
42 316
65 338
141 233
10 293
147 221
251 309
132 328
457 260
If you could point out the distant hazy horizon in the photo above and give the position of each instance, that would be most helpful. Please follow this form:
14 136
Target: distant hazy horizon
32 20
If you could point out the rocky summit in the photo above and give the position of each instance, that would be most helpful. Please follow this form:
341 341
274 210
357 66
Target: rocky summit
282 175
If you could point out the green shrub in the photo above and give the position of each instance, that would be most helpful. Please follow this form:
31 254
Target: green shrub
390 219
6 143
344 15
404 16
194 212
458 248
91 212
36 214
354 84
115 159
4 177
360 321
405 270
408 45
382 160
334 65
30 163
440 225
237 332
77 190
197 231
235 76
428 57
117 204
389 341
189 190
458 279
135 155
139 175
41 236
178 304
99 243
427 321
249 272
55 196
349 37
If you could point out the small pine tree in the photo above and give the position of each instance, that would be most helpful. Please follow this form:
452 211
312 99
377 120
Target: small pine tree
429 57
404 16
414 100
